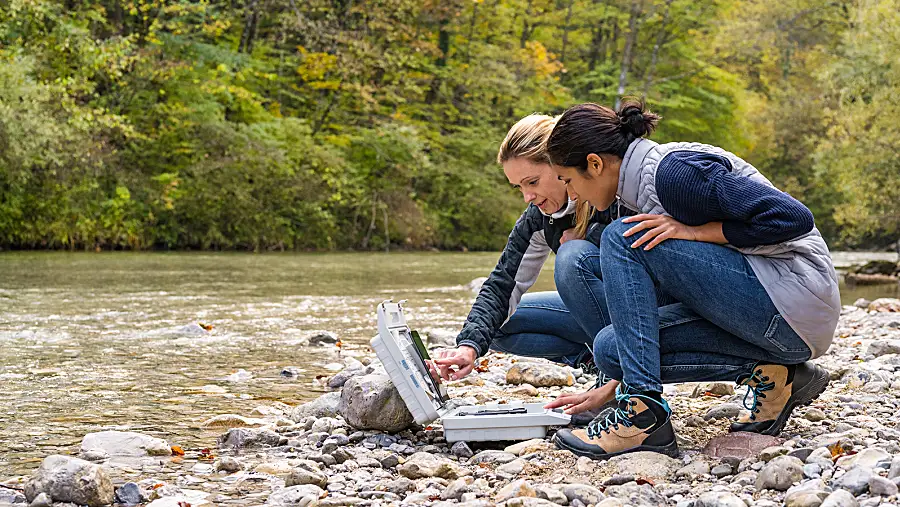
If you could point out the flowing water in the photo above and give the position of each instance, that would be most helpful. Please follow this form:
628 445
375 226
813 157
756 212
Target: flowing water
98 341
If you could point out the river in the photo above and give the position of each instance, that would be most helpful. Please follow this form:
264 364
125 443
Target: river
95 341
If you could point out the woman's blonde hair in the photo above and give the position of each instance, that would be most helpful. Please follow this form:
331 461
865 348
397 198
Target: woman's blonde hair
527 139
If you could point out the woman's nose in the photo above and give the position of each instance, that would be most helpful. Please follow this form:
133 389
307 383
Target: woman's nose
529 196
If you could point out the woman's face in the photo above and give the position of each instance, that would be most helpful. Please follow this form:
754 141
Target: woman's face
538 183
597 185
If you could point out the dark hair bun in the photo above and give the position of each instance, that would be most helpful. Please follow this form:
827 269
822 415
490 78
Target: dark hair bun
635 119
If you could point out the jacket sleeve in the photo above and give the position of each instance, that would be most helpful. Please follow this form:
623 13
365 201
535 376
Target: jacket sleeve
517 270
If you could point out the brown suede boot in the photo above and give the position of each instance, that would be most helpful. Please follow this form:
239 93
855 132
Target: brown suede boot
637 422
775 391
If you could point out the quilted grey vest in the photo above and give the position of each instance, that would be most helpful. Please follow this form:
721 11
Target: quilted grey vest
798 275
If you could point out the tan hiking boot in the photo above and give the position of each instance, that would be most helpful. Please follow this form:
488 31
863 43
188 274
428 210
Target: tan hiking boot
636 422
774 390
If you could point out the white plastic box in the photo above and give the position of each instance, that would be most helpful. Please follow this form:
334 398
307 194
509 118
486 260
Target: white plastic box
403 355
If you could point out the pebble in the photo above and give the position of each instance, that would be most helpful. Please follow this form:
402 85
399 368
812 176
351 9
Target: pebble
517 488
722 470
855 481
491 456
539 375
881 486
582 493
462 450
726 410
780 473
840 498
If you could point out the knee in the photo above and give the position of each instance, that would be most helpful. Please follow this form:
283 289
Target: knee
613 235
572 259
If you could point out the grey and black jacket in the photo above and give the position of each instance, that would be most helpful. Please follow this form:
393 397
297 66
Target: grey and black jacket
532 239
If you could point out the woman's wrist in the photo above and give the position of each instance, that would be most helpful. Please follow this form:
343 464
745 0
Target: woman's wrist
709 233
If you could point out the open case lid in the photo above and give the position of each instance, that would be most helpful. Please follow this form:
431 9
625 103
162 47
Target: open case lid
403 356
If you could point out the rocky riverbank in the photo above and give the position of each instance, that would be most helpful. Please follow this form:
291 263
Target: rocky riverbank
358 446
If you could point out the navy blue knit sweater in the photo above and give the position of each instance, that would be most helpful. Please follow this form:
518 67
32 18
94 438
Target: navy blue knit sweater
698 188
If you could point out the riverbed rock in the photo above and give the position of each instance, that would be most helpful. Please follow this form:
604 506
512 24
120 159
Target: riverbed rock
855 481
840 498
300 476
231 421
372 402
780 473
583 493
125 443
880 486
539 375
327 405
719 499
296 496
461 450
422 464
66 479
436 337
880 348
11 496
129 494
740 444
517 488
492 457
866 458
645 464
633 493
237 438
885 305
322 338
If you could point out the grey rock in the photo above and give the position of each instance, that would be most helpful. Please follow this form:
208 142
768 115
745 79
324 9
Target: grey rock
635 494
840 498
301 476
237 438
389 461
780 473
494 457
722 470
125 443
341 378
745 478
726 410
769 453
718 499
805 499
812 470
801 453
866 458
229 464
341 455
881 486
582 493
11 496
94 455
42 500
814 415
551 494
646 464
423 464
880 348
517 488
527 501
539 375
855 481
440 337
461 450
296 496
322 338
693 470
894 471
74 480
514 467
323 425
713 388
326 405
129 494
456 489
399 486
372 402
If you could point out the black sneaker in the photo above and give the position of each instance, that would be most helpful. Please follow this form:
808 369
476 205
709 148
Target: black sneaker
774 390
633 422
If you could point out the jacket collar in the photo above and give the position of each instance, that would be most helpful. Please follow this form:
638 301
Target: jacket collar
630 171
568 210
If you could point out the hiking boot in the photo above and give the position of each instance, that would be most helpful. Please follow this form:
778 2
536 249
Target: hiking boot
775 390
633 422
582 419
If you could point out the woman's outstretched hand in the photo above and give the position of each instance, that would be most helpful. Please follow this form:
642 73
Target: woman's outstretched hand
456 363
588 400
660 228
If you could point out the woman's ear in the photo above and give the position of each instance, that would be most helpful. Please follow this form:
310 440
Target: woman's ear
594 164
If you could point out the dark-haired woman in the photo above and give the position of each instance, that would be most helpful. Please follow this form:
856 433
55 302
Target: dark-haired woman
757 293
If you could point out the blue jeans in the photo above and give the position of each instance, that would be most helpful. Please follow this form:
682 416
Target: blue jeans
723 323
542 326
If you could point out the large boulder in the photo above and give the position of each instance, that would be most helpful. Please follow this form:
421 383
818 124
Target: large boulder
326 405
74 480
125 443
372 402
539 375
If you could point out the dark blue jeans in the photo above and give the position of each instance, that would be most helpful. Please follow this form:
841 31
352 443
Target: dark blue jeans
723 323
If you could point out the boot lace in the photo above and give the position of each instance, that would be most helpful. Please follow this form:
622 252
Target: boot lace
757 384
612 418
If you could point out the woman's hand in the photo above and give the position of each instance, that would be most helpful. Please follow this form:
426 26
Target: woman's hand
588 400
456 363
660 228
567 235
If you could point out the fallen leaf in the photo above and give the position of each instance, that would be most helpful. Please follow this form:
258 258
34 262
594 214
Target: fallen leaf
184 504
177 451
208 327
641 481
158 485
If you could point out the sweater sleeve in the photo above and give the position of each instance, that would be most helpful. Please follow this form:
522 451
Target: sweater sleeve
698 188
516 271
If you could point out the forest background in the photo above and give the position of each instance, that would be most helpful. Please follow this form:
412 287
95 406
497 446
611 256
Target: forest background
346 124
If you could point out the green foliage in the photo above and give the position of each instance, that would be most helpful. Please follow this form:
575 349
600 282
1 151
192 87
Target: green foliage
322 124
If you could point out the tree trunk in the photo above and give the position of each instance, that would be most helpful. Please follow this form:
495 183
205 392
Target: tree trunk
247 36
368 236
443 42
660 40
565 37
387 236
628 52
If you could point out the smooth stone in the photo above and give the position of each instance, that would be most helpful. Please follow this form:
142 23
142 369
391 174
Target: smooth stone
231 421
399 486
372 402
693 470
855 481
718 499
812 470
461 450
551 494
517 488
585 465
745 478
894 471
42 500
885 305
713 389
229 464
299 496
67 479
323 425
11 496
539 375
840 498
645 464
274 468
801 453
520 447
238 438
301 476
805 498
457 489
582 493
635 494
326 405
722 470
322 338
866 458
126 444
514 467
780 473
202 469
492 456
769 453
739 444
814 415
724 411
525 390
880 348
527 501
881 486
423 464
